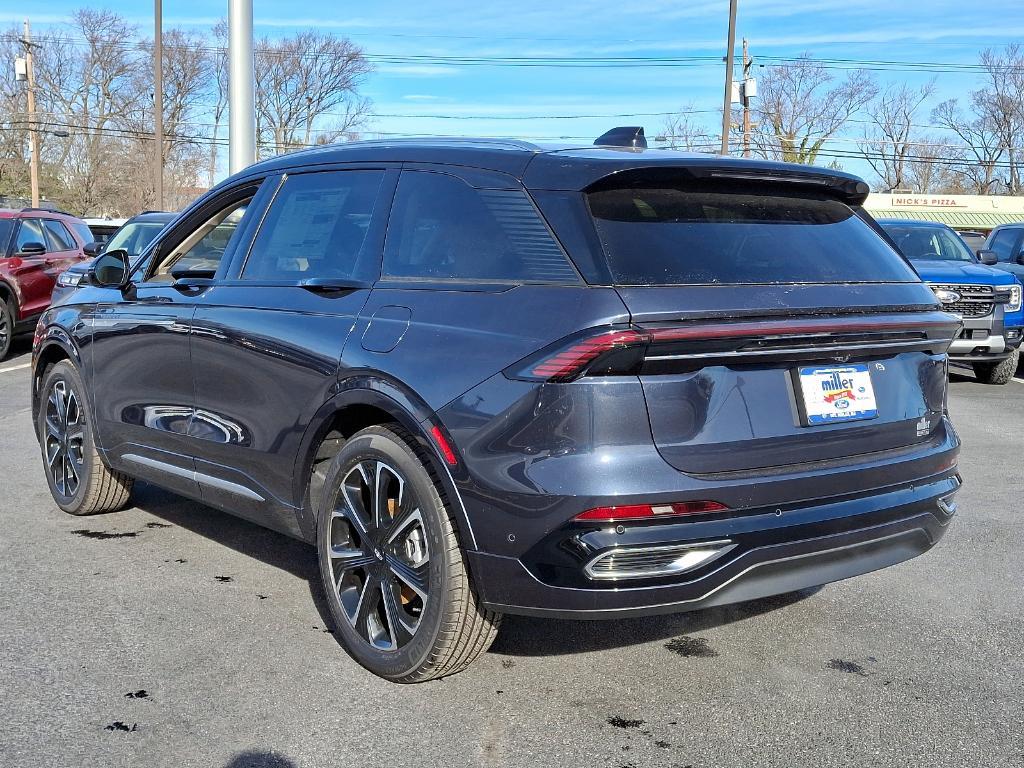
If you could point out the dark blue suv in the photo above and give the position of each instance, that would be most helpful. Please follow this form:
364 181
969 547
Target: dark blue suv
489 377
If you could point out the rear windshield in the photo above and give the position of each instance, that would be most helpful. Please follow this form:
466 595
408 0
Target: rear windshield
678 236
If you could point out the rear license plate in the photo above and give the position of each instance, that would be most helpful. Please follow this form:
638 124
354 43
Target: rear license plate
837 393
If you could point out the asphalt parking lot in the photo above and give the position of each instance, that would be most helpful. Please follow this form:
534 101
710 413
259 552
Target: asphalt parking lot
173 635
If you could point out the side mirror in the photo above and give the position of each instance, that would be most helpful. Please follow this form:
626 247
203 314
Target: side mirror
1020 258
111 269
986 256
32 249
92 249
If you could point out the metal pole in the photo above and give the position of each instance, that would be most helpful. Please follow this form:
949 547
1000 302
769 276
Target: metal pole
241 79
746 100
33 127
730 52
158 104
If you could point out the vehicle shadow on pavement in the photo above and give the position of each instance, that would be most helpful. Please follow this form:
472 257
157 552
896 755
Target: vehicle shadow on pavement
526 636
259 759
252 540
519 635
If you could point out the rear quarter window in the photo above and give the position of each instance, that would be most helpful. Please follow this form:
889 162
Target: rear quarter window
441 228
737 235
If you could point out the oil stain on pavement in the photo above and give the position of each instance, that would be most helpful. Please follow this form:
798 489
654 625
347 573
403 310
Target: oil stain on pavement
691 646
87 534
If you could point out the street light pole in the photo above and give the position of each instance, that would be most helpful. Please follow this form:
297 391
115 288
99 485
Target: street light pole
158 104
33 126
241 80
730 52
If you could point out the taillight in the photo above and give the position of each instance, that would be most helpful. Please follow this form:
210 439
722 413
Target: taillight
566 363
649 511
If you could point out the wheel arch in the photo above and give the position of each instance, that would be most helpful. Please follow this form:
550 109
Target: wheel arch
56 345
368 402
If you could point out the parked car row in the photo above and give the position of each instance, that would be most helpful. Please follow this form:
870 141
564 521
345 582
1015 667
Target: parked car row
36 245
44 253
987 298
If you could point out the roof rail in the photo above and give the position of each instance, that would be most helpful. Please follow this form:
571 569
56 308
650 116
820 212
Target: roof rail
47 210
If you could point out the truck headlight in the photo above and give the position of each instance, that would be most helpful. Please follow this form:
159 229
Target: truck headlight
1014 304
72 279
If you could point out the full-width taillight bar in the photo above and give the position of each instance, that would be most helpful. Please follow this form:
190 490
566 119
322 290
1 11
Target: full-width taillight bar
575 356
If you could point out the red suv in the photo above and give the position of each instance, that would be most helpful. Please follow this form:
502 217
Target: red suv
36 245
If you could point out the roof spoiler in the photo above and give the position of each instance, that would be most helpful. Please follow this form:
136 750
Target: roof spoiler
623 136
848 188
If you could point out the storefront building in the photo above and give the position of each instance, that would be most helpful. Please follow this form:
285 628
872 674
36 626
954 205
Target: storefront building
979 213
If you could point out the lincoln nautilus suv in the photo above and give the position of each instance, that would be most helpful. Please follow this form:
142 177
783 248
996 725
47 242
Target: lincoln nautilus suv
487 377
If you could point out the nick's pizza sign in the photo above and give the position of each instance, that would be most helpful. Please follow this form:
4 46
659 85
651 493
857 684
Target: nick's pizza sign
927 202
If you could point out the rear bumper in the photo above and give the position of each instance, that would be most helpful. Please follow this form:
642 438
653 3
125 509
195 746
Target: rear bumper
847 538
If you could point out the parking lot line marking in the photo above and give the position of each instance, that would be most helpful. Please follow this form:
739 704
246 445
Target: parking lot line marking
29 365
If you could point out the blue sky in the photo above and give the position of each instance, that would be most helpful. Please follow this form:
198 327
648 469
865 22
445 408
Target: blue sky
928 30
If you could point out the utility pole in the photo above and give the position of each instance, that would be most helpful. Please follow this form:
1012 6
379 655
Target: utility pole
241 84
158 104
745 96
33 127
730 52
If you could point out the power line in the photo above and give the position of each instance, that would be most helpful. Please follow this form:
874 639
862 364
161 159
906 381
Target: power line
569 62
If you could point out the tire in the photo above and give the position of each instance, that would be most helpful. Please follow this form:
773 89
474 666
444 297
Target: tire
79 481
433 624
6 327
997 373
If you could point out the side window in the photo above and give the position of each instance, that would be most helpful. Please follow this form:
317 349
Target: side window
443 229
30 231
1003 242
59 237
84 233
315 227
202 250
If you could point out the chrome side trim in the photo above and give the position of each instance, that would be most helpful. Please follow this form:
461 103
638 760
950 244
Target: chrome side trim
228 486
198 477
170 469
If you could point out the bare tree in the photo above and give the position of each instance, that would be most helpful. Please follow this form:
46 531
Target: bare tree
188 69
90 89
888 144
977 153
683 131
1001 102
800 106
930 170
302 79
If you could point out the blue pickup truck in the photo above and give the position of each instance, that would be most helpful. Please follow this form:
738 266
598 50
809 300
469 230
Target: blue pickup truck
988 299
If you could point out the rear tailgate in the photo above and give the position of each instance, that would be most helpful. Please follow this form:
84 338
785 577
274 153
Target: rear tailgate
727 395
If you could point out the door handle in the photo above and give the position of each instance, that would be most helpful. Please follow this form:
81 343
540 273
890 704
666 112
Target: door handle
192 284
